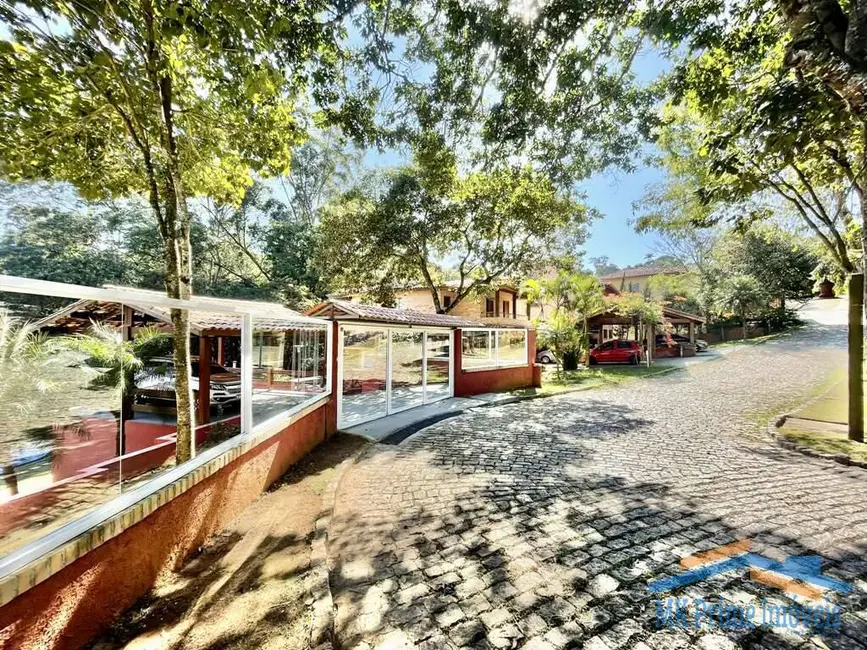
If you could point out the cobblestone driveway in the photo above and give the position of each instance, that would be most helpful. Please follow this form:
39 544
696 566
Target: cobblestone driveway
539 524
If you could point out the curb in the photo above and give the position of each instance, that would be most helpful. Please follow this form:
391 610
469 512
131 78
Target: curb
318 584
783 442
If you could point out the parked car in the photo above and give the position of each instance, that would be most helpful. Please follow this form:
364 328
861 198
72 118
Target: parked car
616 352
545 356
700 345
156 382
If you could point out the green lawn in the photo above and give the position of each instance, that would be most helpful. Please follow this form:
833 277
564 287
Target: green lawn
587 378
826 414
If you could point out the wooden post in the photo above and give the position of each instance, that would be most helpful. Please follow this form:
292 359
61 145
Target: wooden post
204 411
691 332
856 357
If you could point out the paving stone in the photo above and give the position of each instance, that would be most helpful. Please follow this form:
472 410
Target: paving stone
508 512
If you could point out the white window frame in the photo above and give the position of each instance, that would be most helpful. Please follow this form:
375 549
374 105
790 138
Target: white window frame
493 336
197 468
388 329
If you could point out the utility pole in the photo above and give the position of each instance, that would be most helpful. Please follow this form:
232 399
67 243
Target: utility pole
856 357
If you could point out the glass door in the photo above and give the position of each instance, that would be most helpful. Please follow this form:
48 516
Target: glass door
407 369
364 375
437 366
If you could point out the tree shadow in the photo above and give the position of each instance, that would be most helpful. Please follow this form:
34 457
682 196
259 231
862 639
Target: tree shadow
457 539
247 585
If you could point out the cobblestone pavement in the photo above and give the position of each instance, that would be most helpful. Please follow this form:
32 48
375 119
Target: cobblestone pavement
539 524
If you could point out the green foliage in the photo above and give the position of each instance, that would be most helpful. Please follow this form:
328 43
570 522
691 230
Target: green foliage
114 362
560 333
497 224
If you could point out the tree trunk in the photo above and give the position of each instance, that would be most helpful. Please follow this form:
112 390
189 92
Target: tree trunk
856 358
744 326
179 285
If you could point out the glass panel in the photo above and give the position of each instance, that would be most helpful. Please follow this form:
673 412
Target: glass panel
406 369
438 346
67 409
511 349
477 349
364 374
289 367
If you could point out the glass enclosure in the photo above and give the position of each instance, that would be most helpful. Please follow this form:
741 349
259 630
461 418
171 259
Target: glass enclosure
364 374
493 348
88 401
407 369
438 366
387 370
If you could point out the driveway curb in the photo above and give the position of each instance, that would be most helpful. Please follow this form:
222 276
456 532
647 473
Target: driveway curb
781 441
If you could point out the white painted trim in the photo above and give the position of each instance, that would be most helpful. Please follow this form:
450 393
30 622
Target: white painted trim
247 374
14 284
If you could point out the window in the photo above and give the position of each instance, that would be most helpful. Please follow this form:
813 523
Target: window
88 401
493 348
447 302
608 345
489 307
624 345
507 309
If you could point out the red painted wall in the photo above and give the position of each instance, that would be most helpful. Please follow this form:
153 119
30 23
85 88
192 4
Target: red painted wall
475 382
79 602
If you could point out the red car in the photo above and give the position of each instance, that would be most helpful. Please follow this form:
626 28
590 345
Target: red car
616 352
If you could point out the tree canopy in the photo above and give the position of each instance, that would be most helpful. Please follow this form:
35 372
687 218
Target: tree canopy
489 225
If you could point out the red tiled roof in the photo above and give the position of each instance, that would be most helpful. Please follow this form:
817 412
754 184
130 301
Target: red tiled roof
267 316
345 310
637 271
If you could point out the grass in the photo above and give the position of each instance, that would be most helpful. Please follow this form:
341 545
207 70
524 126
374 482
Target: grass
587 378
758 340
820 420
827 442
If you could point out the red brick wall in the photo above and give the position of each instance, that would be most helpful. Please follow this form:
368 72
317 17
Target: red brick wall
79 602
475 382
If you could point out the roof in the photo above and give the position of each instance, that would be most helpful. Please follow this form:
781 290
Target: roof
345 310
268 316
639 271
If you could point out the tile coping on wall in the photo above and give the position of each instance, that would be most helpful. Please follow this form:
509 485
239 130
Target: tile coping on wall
23 570
489 368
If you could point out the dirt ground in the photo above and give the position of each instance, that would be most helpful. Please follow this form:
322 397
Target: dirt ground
246 586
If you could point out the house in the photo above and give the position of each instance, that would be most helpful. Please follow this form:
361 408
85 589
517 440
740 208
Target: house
638 278
500 303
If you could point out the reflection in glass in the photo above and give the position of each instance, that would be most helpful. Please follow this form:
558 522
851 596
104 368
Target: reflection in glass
511 348
60 414
364 374
438 355
289 367
478 349
407 358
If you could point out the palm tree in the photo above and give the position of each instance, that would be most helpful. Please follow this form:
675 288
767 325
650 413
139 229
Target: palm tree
586 300
535 293
24 352
115 362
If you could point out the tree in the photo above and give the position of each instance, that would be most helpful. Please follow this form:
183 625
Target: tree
171 101
61 245
741 295
641 310
560 333
114 363
490 224
587 300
